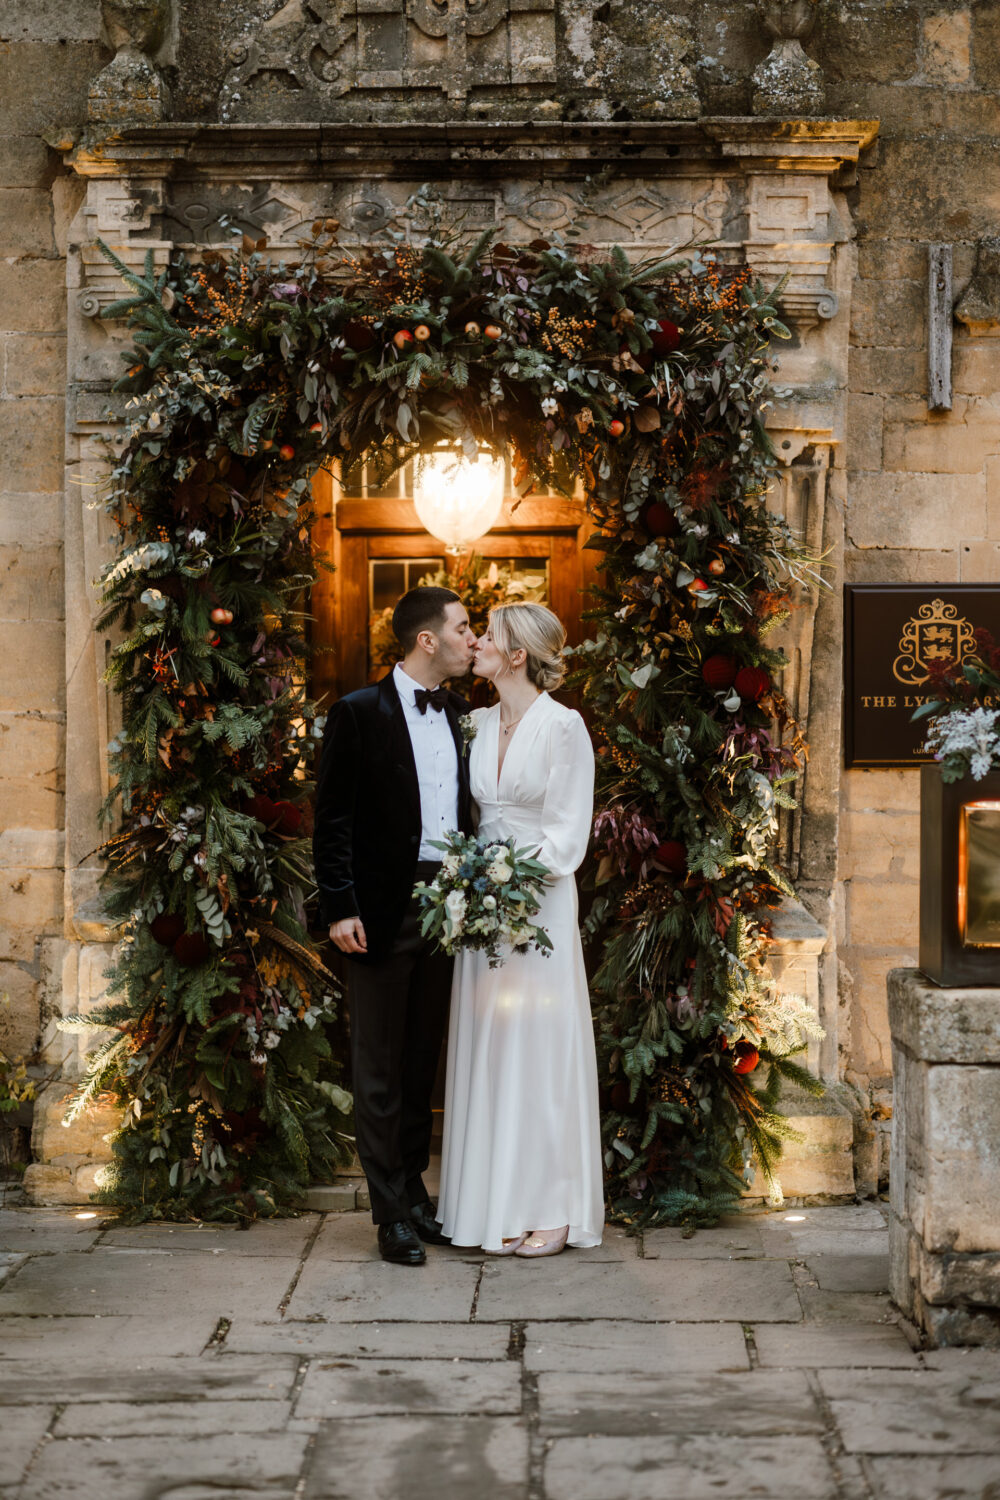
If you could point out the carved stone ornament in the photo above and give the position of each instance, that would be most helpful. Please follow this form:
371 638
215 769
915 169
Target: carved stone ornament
788 82
645 61
131 88
979 305
315 51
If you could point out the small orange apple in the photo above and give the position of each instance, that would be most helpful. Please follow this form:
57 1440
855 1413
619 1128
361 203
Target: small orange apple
421 333
493 331
616 427
473 330
222 616
402 338
286 451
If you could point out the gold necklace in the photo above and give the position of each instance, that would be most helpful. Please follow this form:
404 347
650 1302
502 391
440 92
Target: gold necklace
508 727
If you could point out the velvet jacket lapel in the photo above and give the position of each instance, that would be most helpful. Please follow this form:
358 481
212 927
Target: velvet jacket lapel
400 747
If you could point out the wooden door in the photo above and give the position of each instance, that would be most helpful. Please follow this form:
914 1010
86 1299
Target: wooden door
377 548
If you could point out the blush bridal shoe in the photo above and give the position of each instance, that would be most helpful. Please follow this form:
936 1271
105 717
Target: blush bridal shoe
544 1242
511 1247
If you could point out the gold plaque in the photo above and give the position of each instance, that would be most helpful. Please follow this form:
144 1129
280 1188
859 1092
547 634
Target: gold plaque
979 875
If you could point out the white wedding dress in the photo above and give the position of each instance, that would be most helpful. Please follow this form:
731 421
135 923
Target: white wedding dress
522 1147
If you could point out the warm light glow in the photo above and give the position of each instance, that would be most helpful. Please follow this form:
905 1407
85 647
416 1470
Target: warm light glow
87 1215
794 1218
458 499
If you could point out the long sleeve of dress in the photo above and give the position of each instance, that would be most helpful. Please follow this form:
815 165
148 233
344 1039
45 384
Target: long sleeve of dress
568 809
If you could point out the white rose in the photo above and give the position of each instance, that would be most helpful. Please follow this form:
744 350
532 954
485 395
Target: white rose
449 865
489 902
499 872
454 911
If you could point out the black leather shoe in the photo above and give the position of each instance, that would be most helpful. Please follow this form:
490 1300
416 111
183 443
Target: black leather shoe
428 1228
398 1243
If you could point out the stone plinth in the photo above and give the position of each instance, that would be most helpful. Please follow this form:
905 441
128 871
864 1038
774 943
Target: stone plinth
944 1226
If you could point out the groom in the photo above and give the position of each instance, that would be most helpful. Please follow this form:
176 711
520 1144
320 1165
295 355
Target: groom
393 777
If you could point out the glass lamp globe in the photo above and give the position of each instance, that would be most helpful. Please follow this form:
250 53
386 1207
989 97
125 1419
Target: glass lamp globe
458 499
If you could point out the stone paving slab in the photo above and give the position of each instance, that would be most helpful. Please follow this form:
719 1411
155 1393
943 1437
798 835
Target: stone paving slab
842 1217
828 1346
156 1284
722 1242
927 1411
371 1340
696 1468
972 1362
9 1263
966 1478
275 1237
19 1439
412 1458
371 1388
804 1244
342 1292
60 1341
616 1348
748 1405
819 1306
238 1377
850 1273
45 1230
228 1466
199 1418
748 1291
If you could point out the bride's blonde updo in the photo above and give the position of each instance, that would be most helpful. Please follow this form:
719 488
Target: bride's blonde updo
537 631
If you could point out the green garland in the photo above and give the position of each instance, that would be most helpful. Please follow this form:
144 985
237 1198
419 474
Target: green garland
646 380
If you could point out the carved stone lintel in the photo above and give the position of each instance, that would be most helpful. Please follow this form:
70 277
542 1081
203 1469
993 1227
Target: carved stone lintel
788 82
131 88
979 306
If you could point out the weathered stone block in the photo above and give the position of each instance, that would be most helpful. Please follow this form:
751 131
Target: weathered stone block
31 848
19 1009
24 161
48 1187
883 913
37 21
939 1025
30 770
947 447
882 791
879 843
43 86
899 565
868 43
32 668
53 1141
986 44
26 222
870 1037
33 297
31 439
979 562
32 902
974 367
946 47
888 313
30 520
864 432
891 260
333 1197
898 510
35 366
31 583
878 371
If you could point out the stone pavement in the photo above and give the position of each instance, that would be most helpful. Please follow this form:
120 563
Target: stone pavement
287 1362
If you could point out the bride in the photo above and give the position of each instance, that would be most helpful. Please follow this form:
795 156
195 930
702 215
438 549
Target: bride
521 1162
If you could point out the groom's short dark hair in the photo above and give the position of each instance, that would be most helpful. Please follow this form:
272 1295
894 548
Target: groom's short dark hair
420 609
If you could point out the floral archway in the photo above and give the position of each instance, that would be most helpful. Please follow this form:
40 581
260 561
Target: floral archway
650 382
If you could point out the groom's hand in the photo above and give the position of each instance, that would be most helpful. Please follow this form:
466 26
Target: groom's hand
349 935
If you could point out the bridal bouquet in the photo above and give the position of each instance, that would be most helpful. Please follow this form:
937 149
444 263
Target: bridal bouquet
484 897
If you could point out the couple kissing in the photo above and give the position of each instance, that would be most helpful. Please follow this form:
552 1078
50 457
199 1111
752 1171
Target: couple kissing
405 764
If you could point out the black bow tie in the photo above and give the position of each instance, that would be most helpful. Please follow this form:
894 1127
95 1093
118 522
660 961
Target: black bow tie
435 697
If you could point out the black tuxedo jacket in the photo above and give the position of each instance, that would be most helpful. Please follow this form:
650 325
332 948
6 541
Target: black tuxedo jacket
367 833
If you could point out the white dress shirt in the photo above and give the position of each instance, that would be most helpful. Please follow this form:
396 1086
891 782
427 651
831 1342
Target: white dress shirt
437 765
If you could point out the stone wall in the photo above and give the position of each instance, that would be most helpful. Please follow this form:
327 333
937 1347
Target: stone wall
912 494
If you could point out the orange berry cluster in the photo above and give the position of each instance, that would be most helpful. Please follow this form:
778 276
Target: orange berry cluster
225 309
565 334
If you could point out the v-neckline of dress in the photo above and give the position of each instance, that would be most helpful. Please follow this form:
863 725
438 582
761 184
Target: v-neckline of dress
501 767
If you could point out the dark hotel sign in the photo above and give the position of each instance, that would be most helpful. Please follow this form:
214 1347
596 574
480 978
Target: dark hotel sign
892 633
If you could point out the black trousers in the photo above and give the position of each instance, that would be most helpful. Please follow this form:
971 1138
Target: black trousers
399 1008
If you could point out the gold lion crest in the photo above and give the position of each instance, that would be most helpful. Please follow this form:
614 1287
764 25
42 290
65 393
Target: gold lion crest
936 633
